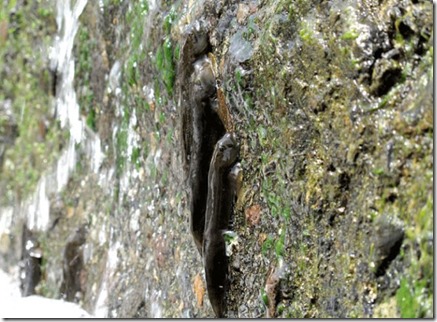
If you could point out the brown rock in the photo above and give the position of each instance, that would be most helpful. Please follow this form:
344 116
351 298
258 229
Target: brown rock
253 214
199 289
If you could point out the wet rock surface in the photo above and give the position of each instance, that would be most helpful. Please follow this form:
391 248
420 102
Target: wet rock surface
388 241
30 264
71 286
332 105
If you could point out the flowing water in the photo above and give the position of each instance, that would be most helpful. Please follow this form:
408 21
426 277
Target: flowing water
36 209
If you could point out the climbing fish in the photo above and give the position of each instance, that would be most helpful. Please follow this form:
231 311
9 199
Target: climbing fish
221 194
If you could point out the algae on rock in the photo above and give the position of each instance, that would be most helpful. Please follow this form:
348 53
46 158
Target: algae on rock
332 102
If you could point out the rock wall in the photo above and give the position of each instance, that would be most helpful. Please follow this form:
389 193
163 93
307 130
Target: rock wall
332 105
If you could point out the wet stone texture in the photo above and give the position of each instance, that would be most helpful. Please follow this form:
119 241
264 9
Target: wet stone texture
332 105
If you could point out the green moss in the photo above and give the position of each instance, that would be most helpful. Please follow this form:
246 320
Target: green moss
31 26
107 3
165 64
238 77
136 153
306 35
121 142
84 46
136 49
407 301
91 119
264 297
262 136
350 35
378 171
131 71
169 19
167 53
177 52
286 212
415 294
279 244
319 133
267 245
168 66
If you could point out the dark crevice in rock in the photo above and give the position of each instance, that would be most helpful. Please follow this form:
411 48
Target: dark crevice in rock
30 265
206 153
71 287
388 242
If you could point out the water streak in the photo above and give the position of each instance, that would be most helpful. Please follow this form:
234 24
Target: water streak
67 110
61 59
36 208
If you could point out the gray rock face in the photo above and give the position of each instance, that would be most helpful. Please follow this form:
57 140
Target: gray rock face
332 104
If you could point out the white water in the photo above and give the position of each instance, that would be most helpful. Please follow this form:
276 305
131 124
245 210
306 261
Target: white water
36 208
15 306
67 108
101 307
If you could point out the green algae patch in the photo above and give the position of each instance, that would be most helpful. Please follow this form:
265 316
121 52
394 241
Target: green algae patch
27 88
165 64
323 140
